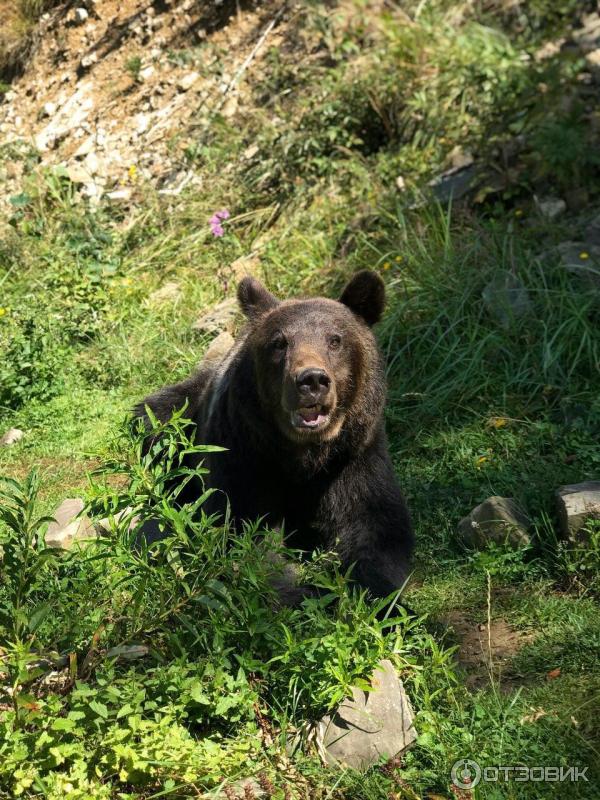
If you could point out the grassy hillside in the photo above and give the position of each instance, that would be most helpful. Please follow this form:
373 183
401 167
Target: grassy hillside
354 115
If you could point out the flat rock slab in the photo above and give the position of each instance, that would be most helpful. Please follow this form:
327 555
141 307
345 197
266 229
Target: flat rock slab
68 527
221 317
369 726
578 504
497 519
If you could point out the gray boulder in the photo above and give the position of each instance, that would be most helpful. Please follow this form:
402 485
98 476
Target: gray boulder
506 298
69 527
454 183
578 504
369 725
497 519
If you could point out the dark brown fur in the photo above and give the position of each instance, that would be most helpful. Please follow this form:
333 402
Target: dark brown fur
330 481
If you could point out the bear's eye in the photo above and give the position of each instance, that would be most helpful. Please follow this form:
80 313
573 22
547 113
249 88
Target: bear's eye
279 342
335 341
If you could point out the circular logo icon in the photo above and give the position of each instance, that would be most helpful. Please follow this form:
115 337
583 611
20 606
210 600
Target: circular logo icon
466 774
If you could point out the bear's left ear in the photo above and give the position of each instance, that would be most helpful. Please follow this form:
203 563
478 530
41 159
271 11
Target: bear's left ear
254 299
365 295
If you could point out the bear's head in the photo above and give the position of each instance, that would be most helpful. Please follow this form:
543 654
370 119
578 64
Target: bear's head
316 363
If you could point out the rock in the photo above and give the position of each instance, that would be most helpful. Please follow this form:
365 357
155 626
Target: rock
107 524
49 109
370 725
497 519
128 652
146 73
588 36
80 15
89 60
578 504
78 174
142 123
68 527
187 81
120 195
592 232
219 318
12 436
551 207
244 265
581 259
169 292
250 152
460 158
218 349
454 184
506 298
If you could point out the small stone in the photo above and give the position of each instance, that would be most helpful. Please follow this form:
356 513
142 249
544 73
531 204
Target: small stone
80 15
578 504
221 317
250 152
218 349
588 36
497 519
454 183
78 174
187 81
581 259
506 298
142 123
12 436
146 73
128 652
460 158
89 60
169 292
369 725
400 184
551 207
68 527
49 109
120 195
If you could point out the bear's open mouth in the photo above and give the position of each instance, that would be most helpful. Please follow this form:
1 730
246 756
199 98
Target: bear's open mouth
310 417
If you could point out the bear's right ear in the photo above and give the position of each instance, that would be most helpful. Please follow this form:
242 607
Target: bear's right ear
254 299
365 296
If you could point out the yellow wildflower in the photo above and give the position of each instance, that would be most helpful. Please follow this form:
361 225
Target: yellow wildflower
519 212
583 256
2 312
387 265
497 422
132 172
398 259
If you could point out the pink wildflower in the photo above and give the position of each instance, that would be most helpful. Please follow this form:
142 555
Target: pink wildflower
216 228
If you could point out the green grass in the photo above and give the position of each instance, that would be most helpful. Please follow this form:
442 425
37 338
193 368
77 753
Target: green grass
475 408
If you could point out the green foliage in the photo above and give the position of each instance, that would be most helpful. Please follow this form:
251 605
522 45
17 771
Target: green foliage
133 66
201 599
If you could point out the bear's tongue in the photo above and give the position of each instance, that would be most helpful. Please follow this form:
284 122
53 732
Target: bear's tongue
310 414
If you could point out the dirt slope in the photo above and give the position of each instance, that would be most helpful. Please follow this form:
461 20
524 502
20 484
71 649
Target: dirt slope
117 89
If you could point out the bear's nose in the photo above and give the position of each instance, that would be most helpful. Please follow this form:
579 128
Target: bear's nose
313 382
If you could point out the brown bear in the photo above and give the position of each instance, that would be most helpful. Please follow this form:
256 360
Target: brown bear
298 402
